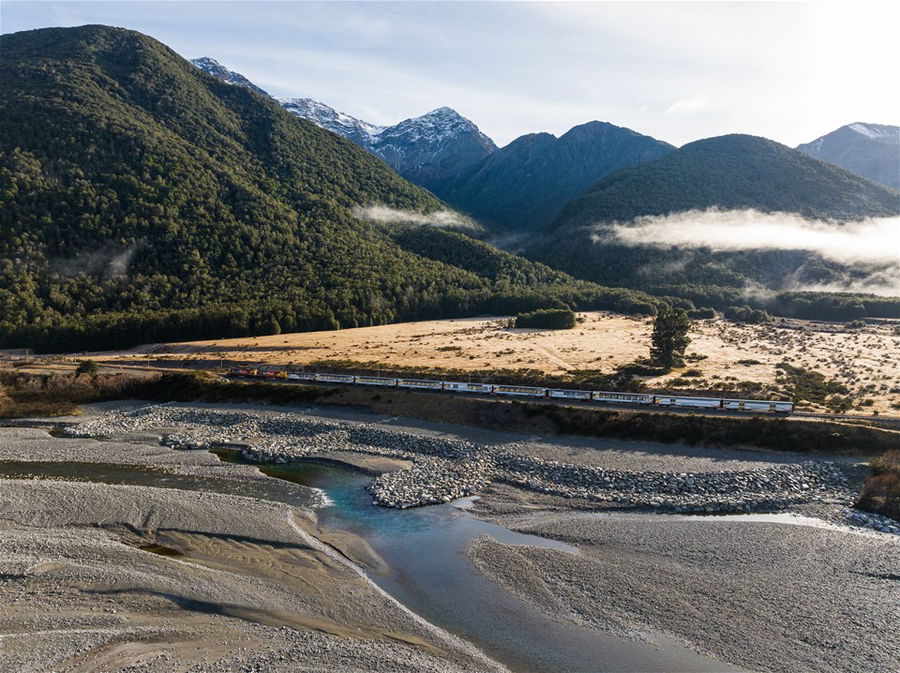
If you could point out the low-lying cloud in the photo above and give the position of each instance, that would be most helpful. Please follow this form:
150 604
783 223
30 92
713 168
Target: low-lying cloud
387 215
873 240
110 261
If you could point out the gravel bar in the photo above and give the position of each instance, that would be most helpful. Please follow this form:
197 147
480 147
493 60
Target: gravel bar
446 468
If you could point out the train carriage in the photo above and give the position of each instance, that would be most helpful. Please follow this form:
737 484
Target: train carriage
621 398
769 406
685 401
301 376
376 381
421 384
525 391
463 387
335 378
564 394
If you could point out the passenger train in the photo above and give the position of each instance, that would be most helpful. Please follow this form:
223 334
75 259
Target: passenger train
756 406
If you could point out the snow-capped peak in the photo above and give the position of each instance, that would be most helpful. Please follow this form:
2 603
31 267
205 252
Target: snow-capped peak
327 117
219 71
875 131
435 127
422 149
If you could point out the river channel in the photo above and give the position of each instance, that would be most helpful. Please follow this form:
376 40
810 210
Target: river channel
430 572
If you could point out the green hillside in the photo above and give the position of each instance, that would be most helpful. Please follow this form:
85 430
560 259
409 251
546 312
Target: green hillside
525 185
144 200
730 172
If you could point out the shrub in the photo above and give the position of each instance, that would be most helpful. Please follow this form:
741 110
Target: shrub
881 494
704 313
547 318
747 314
641 308
812 386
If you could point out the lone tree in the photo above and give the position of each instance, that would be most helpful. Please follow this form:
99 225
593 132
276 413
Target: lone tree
670 339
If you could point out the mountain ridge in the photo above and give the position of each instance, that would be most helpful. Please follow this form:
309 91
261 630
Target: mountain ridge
424 149
734 172
870 150
526 184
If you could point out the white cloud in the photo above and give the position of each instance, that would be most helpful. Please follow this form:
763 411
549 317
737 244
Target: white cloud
873 240
387 215
688 106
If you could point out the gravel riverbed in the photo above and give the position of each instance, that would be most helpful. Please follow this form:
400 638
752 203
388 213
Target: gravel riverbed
766 595
446 468
110 577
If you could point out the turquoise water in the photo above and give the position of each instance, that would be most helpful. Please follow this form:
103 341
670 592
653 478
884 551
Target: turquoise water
431 574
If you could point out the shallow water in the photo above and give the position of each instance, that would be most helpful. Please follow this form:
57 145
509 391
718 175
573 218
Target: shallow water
784 518
432 575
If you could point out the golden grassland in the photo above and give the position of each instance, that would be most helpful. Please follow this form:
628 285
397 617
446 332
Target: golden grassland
866 361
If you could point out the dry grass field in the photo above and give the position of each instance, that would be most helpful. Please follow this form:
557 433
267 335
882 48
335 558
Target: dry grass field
866 361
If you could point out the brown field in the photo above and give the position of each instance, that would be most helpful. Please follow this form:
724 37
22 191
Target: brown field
867 361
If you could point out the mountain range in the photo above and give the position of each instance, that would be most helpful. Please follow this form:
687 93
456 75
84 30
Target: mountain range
520 187
871 150
145 200
728 173
424 150
524 186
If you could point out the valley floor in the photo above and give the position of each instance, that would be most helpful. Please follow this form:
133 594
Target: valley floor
866 360
143 577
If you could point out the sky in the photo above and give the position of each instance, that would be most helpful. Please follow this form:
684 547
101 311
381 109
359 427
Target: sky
678 71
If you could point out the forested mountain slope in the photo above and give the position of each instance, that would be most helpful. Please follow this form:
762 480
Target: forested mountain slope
525 185
727 172
143 199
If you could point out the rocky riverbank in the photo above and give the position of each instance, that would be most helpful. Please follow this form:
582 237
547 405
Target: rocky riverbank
445 468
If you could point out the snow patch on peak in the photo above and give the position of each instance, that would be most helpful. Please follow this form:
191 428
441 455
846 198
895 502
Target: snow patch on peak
219 71
206 61
875 131
327 117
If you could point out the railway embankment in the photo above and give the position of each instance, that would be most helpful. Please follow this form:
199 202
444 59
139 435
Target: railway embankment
445 468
